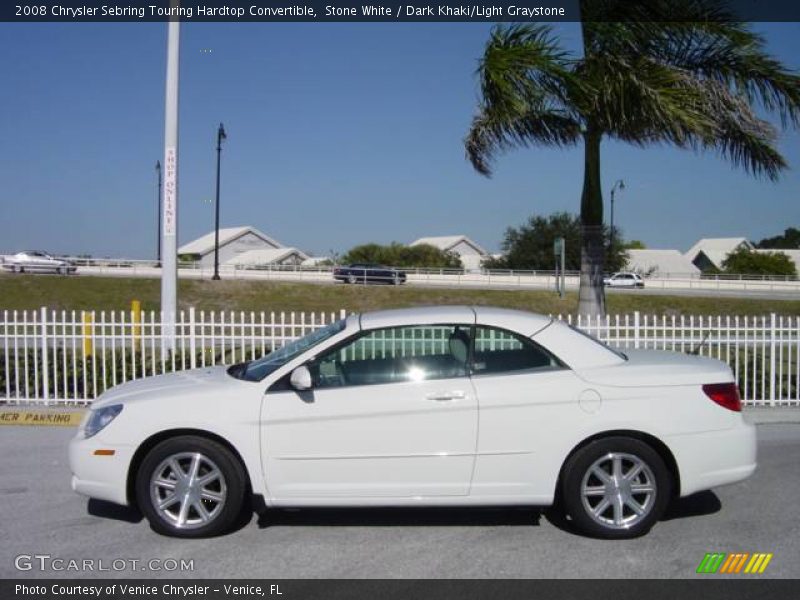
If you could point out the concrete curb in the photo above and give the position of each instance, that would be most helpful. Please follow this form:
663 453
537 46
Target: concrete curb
32 415
767 415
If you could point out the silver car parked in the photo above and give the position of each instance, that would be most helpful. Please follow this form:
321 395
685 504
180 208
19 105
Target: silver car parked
37 262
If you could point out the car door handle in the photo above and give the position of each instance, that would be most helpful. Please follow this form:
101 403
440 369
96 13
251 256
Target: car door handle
443 396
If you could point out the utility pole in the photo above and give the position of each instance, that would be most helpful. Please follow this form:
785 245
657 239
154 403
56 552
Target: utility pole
220 136
618 185
169 270
558 250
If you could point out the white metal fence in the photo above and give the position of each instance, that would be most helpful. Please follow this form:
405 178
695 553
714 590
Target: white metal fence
71 357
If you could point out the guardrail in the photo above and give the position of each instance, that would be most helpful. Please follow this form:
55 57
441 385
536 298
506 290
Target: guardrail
482 279
71 357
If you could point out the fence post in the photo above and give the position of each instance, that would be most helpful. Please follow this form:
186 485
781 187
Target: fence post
136 315
636 329
342 313
86 319
192 339
45 366
772 336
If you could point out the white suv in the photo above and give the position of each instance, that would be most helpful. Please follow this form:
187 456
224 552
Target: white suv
624 280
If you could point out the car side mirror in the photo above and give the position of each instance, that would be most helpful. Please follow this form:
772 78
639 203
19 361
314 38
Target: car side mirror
300 379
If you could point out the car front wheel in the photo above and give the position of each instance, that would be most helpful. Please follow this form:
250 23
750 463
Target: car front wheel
191 487
616 488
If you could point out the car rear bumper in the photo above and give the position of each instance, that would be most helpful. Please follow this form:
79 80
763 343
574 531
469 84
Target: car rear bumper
713 458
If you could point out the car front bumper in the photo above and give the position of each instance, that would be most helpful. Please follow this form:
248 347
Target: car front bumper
100 476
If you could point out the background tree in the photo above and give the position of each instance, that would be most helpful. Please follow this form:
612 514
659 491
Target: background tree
634 245
530 246
682 72
400 255
790 240
745 261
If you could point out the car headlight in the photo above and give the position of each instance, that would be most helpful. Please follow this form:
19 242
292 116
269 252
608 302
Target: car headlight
100 418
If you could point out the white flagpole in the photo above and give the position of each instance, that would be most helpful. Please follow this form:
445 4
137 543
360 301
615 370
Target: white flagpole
169 248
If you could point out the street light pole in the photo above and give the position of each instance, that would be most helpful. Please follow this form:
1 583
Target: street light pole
220 136
158 200
618 185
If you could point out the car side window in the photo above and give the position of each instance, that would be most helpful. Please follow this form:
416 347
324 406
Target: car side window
395 355
500 351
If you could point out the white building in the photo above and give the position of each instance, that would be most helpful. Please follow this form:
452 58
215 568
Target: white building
268 256
661 263
233 241
711 252
470 253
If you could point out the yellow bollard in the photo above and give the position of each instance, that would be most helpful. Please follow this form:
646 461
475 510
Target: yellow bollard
136 311
87 334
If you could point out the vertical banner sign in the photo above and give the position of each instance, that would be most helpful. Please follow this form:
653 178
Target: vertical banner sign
170 189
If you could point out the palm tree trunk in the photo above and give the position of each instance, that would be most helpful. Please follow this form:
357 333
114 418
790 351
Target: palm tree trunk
591 295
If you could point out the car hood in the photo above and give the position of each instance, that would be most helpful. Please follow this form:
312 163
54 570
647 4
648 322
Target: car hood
203 381
659 368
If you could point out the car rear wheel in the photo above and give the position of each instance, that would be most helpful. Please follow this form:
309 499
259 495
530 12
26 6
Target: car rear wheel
615 488
351 279
191 487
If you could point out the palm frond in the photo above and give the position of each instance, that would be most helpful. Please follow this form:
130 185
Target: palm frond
491 134
527 90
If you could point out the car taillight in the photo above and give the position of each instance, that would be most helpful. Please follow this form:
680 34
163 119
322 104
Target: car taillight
724 394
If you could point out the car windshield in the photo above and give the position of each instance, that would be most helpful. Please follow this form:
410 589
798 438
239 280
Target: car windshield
256 370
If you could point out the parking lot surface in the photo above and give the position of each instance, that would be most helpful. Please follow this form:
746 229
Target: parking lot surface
42 516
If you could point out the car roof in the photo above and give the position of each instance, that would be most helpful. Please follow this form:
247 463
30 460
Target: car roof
524 322
578 351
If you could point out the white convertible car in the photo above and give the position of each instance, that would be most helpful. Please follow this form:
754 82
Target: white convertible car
455 406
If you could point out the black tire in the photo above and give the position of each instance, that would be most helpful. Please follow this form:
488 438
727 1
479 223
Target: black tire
351 279
234 484
603 453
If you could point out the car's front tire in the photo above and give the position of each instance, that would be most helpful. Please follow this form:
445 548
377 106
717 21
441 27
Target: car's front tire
615 488
191 487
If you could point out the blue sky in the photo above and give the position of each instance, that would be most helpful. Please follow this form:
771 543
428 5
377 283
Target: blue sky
337 134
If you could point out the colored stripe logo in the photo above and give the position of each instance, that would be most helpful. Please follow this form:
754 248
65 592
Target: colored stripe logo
734 563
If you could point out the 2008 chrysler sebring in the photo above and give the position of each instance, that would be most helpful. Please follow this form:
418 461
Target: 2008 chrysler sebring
429 406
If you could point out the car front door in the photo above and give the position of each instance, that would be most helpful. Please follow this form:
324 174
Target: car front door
391 414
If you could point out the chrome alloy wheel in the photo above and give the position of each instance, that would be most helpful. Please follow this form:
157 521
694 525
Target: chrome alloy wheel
188 490
618 490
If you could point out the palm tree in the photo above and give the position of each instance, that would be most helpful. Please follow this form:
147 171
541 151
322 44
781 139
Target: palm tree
695 81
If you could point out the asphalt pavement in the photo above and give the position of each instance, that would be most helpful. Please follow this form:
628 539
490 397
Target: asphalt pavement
41 516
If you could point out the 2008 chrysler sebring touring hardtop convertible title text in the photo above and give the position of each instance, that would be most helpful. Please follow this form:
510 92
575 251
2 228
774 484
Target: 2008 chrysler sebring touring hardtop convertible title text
432 406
